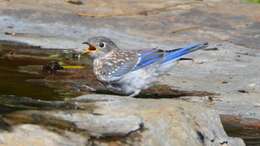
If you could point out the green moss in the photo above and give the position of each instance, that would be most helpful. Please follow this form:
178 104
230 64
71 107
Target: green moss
253 1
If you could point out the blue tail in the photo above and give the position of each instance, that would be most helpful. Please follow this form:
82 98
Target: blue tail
176 54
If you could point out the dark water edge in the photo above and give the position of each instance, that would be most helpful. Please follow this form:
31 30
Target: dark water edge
245 128
249 137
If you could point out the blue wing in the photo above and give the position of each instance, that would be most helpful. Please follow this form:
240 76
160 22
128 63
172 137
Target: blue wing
147 57
151 56
174 55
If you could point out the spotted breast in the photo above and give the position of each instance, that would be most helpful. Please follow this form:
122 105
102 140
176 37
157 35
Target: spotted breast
114 65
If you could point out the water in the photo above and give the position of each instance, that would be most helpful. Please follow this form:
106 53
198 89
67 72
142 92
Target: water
16 83
251 136
29 83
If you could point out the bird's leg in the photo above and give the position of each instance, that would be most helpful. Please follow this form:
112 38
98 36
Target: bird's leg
136 92
88 88
114 88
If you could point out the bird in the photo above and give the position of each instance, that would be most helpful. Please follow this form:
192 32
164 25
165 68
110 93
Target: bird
128 72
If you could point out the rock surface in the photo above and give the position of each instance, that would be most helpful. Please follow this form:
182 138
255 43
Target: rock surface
114 120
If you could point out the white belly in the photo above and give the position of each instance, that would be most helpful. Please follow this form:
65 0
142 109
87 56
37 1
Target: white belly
137 80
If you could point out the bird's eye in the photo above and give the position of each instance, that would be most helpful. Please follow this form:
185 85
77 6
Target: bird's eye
102 45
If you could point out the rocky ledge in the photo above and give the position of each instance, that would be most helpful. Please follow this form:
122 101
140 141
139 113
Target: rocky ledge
112 120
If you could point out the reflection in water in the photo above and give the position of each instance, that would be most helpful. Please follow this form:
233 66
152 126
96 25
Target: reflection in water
17 83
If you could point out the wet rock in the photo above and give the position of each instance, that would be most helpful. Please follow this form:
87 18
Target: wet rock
119 120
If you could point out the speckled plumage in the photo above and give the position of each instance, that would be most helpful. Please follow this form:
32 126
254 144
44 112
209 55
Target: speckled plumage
130 71
115 64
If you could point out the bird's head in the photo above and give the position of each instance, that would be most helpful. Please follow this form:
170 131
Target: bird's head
99 46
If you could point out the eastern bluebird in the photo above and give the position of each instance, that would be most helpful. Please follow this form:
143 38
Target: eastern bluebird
129 71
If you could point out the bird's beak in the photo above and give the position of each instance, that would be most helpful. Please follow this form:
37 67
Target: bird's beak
90 48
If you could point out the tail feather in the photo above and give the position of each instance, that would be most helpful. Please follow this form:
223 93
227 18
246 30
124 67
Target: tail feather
176 54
